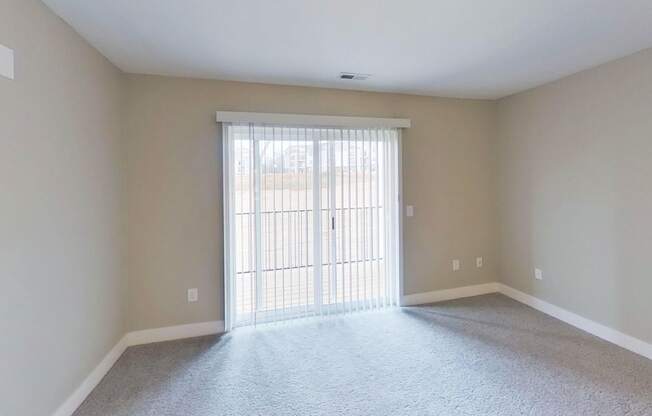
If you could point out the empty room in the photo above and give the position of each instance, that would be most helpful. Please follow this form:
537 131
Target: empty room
312 207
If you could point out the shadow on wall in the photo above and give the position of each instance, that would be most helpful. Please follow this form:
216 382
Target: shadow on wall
575 199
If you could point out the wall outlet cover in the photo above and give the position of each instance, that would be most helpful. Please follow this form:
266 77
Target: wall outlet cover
6 62
478 262
193 295
456 265
538 274
409 211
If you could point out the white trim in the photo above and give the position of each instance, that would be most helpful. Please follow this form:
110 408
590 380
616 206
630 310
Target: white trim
86 387
130 339
215 327
604 332
310 120
448 294
170 333
599 330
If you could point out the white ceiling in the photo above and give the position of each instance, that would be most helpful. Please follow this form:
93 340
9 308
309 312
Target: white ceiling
458 48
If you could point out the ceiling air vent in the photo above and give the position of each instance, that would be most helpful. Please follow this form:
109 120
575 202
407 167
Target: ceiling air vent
354 76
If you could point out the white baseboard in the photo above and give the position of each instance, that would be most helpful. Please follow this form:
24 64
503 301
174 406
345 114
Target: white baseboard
170 333
215 327
86 387
601 331
448 294
134 338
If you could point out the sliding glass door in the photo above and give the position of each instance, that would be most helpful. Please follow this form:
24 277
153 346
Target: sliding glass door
311 221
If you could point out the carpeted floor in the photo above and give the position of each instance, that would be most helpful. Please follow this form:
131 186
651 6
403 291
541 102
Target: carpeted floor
486 355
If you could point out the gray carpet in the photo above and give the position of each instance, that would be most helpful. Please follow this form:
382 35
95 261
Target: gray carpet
486 355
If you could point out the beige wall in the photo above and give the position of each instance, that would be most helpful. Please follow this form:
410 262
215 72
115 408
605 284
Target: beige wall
174 194
555 178
575 171
61 302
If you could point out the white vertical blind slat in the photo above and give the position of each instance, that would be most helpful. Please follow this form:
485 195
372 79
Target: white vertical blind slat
316 207
342 225
283 234
332 226
357 221
350 223
274 220
307 248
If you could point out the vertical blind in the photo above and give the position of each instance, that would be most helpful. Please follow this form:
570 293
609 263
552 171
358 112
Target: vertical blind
311 221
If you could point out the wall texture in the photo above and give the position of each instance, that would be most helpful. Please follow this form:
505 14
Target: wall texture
570 162
175 178
574 168
61 219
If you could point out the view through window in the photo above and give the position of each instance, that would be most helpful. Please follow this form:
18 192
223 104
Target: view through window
314 220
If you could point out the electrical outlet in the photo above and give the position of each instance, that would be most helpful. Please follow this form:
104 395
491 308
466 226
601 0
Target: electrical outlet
456 265
193 295
538 274
6 62
409 211
478 262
